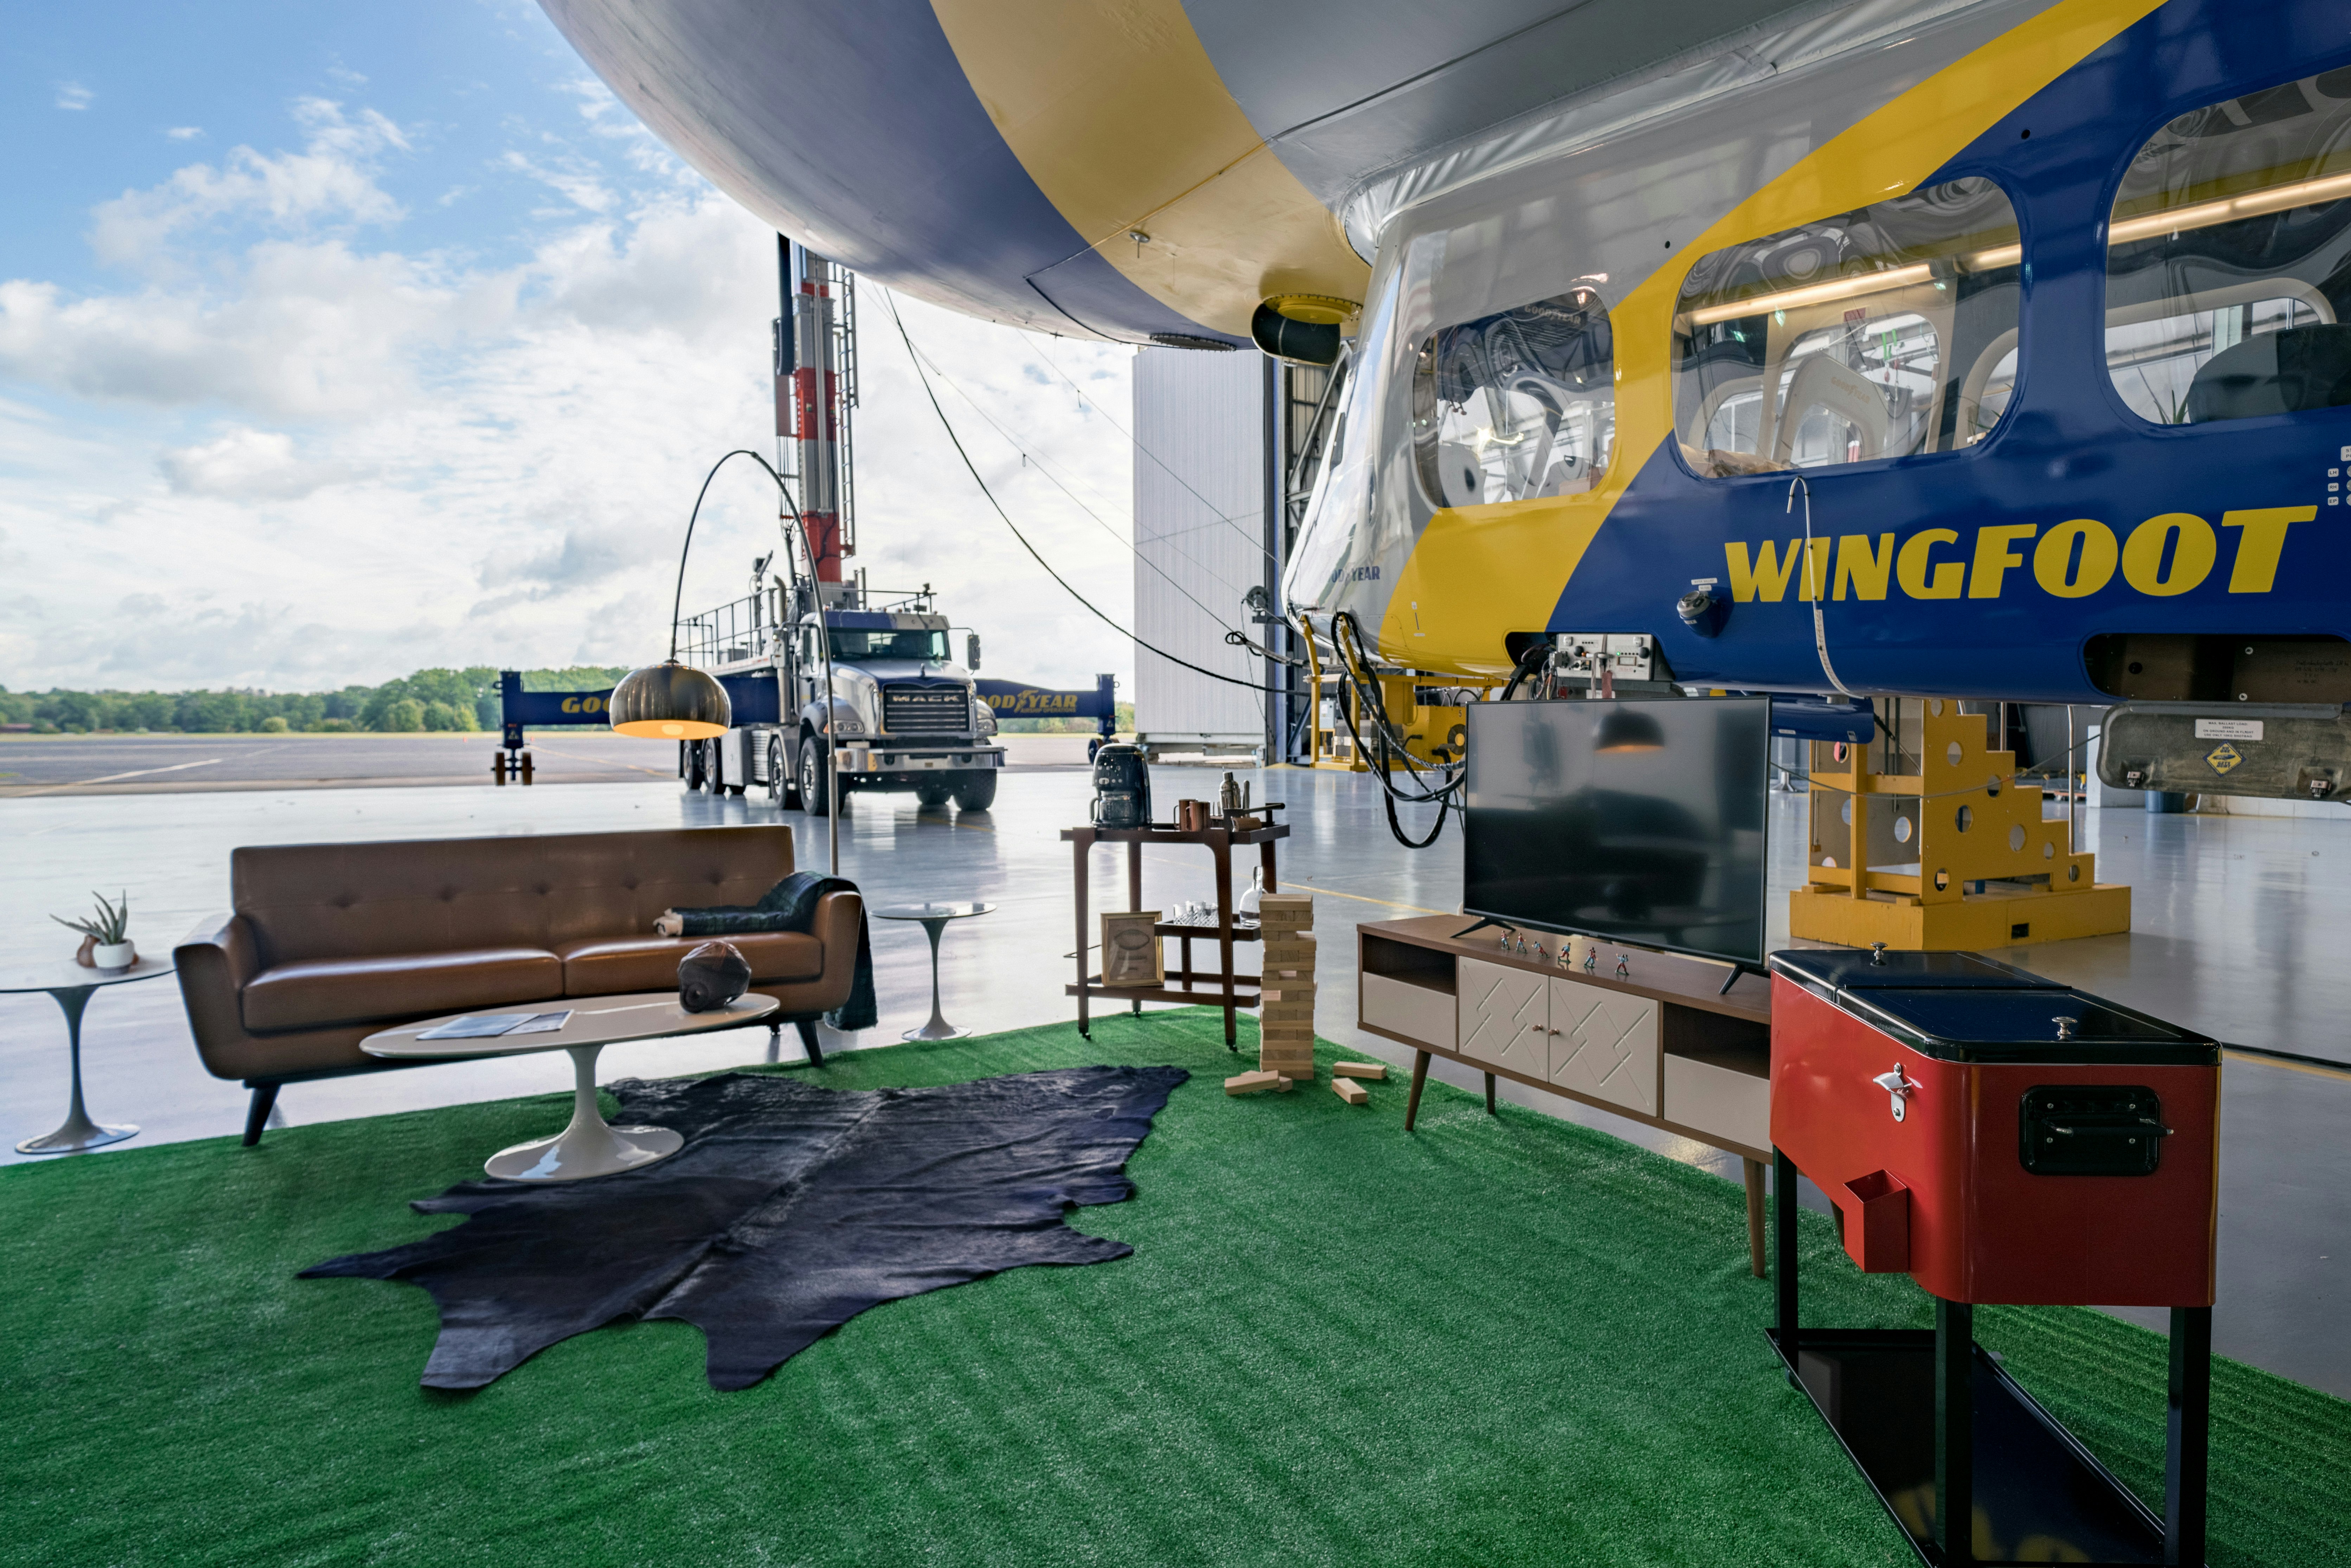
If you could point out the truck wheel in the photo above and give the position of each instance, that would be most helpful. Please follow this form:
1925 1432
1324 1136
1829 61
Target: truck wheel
976 792
1093 748
694 775
813 799
780 791
931 797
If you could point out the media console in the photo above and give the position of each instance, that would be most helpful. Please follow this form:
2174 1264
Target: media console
1664 1046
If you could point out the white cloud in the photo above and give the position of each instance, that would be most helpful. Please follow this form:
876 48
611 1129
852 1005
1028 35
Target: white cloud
185 132
321 464
575 179
332 179
73 95
246 464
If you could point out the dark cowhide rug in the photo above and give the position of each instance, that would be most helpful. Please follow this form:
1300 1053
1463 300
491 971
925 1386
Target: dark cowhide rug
789 1210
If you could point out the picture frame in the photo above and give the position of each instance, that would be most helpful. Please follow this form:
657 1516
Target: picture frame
1131 951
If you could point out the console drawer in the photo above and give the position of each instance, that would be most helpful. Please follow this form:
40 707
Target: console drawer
1415 1012
1719 1102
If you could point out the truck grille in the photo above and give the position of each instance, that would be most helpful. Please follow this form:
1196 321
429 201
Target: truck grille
925 710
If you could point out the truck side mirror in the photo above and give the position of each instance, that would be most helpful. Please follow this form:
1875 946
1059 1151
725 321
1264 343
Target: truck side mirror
971 650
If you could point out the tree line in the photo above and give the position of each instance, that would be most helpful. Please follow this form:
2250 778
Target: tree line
464 699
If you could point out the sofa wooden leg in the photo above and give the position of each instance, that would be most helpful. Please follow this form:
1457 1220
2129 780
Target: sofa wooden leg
808 1041
774 1043
265 1096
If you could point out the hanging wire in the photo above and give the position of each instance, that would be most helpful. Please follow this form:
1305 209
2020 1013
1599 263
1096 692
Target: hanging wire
922 374
1816 591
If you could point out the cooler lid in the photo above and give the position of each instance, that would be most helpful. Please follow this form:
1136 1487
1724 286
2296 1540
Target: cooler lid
1842 968
1961 1007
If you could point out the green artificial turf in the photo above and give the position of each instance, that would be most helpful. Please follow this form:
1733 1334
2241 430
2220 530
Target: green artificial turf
1499 1341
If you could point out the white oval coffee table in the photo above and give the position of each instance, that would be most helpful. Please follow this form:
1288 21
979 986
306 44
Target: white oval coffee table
589 1146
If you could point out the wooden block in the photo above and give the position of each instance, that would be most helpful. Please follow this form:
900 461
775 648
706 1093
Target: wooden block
1290 948
1301 1065
1283 1085
1300 1033
1373 1071
1285 903
1304 1071
1353 1093
1256 1082
1287 1012
1285 1050
1292 992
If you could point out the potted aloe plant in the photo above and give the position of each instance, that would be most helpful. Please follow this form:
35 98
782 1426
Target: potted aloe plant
106 945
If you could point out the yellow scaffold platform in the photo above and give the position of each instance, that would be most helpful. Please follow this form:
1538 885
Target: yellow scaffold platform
1945 849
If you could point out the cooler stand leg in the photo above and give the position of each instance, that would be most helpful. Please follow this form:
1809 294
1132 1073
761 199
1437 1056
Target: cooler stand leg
1955 1431
2190 1436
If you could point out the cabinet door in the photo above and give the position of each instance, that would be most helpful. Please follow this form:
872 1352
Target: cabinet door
1504 1016
1603 1044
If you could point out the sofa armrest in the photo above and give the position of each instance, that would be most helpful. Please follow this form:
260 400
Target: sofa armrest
214 961
839 918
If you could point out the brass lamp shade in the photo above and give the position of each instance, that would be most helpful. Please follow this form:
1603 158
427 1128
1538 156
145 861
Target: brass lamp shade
670 702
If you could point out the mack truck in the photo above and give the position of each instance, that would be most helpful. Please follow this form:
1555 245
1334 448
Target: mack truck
904 714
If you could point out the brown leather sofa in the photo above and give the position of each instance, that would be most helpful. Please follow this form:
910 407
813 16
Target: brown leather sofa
329 943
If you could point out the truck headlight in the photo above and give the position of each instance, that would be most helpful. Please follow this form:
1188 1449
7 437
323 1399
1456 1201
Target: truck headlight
987 718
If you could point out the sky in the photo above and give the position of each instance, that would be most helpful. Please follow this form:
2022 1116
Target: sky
337 341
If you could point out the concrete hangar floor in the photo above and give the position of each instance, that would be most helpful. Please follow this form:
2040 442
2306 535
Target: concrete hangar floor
2239 932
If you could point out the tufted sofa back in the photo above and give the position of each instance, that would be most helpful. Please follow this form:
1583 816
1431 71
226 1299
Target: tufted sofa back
441 896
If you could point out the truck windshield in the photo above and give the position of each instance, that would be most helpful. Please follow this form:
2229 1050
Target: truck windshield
852 647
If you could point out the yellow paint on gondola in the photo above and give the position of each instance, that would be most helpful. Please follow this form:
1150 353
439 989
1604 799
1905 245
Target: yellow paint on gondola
1117 113
1477 572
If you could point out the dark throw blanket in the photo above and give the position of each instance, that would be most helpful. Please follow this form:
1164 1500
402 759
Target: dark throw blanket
790 905
789 1210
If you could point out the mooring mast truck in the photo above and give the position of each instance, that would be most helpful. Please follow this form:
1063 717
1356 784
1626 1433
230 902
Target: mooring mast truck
905 715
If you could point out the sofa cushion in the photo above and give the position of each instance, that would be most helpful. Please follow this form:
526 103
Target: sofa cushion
318 991
608 967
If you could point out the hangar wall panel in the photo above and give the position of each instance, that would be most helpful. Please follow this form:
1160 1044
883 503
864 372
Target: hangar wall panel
1199 530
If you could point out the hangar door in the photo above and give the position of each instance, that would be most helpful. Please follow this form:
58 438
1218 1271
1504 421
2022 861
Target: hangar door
1201 483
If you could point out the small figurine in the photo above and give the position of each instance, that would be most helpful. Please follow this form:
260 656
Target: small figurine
1590 960
1624 969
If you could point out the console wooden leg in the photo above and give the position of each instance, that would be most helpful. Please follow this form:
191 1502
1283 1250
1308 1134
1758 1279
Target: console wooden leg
1755 1218
1489 1093
1419 1080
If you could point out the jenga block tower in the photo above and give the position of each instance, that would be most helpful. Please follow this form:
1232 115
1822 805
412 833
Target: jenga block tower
1286 1009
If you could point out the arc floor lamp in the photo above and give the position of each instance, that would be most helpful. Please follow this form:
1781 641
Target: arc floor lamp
670 701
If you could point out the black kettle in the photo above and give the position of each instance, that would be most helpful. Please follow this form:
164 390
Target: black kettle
1122 787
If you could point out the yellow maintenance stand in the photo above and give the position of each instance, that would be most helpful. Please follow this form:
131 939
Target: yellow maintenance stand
1924 840
1433 733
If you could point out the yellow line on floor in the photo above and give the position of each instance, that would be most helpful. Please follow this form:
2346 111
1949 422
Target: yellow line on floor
2310 1067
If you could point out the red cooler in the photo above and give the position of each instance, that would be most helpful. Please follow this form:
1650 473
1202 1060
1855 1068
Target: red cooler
2001 1138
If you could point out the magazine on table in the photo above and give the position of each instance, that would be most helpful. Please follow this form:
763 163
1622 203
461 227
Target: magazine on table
487 1026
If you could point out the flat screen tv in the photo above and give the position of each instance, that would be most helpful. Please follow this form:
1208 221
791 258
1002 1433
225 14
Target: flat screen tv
1636 822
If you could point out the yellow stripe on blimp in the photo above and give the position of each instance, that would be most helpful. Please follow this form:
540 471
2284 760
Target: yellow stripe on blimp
1477 572
1117 113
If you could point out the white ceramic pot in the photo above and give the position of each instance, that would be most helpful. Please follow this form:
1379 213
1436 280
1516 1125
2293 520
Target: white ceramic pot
115 956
